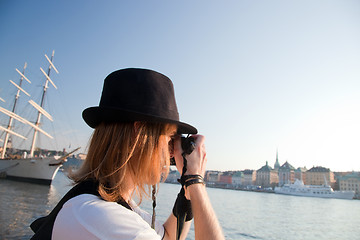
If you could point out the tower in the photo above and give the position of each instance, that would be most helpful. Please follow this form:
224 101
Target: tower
277 164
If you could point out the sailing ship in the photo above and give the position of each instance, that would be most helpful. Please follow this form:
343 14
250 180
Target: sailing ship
323 191
30 167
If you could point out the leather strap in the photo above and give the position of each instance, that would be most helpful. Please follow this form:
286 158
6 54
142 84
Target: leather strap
42 227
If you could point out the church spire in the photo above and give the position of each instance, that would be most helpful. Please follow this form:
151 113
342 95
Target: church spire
277 164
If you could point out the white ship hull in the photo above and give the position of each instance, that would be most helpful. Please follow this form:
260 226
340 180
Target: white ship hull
299 189
37 170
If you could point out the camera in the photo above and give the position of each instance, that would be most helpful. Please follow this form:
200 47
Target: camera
187 144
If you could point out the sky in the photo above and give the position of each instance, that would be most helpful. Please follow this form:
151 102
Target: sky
254 77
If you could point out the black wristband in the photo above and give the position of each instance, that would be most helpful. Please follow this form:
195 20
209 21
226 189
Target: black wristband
186 178
194 181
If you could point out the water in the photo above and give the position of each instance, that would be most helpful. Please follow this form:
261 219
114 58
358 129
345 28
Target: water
242 215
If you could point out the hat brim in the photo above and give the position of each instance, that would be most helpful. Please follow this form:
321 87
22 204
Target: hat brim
93 116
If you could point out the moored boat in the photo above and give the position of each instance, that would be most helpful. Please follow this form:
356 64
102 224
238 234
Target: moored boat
28 167
323 191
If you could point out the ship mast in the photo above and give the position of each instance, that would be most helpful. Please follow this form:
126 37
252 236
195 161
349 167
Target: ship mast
13 110
40 111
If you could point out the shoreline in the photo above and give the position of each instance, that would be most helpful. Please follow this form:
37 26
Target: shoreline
229 187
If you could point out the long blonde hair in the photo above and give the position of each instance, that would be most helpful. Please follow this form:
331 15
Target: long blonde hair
118 151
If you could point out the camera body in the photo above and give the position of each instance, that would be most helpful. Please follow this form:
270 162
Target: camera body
188 145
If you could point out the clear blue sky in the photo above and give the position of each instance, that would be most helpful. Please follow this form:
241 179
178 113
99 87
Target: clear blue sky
252 76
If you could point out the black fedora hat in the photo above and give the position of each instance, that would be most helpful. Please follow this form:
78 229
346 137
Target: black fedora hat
134 94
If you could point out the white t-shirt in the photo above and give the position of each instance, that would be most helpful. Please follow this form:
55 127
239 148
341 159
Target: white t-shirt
89 217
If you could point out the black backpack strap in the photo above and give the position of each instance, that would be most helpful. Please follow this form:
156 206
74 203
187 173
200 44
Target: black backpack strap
42 227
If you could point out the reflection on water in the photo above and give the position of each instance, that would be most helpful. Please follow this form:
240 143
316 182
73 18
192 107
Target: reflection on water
243 215
22 203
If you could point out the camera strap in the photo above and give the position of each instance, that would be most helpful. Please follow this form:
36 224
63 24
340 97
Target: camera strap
153 206
181 202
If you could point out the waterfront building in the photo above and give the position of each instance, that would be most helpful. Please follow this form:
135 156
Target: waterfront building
249 177
338 176
319 176
212 177
300 174
267 177
238 179
226 178
350 182
286 174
